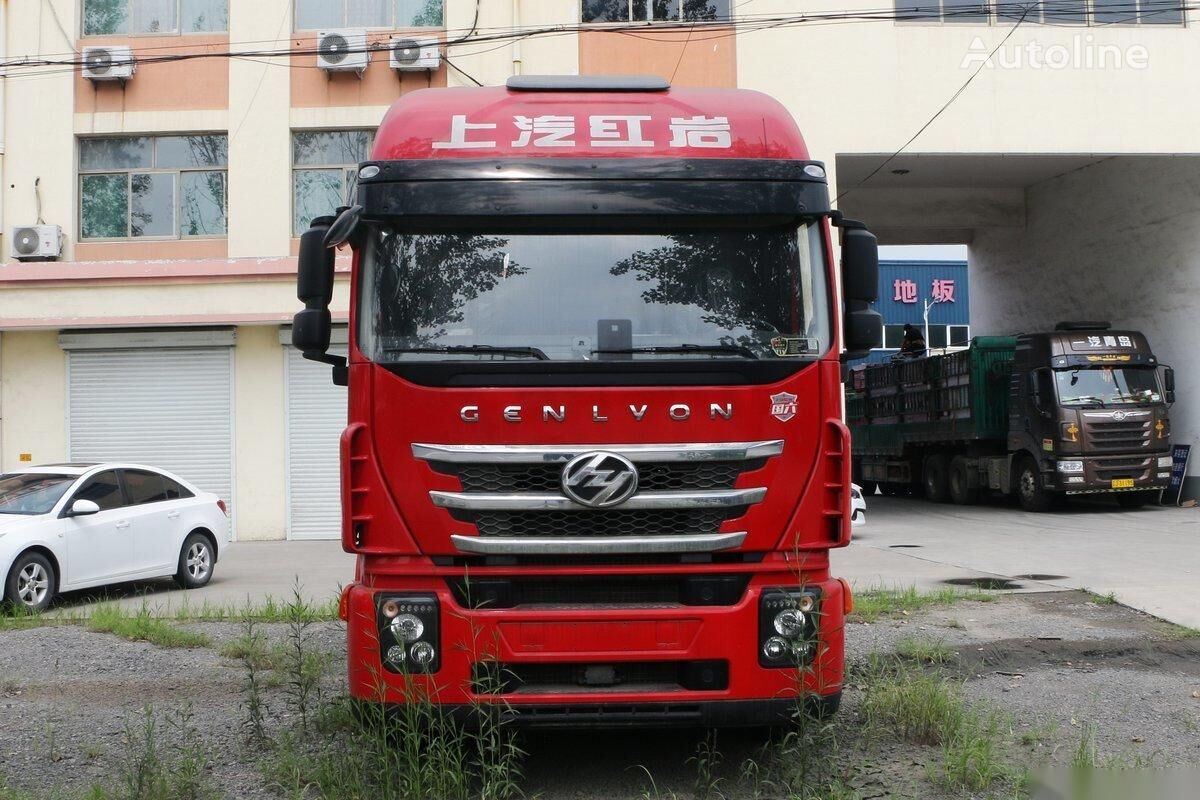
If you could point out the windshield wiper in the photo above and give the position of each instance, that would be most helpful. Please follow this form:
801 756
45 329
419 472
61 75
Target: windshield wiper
1088 399
482 349
715 349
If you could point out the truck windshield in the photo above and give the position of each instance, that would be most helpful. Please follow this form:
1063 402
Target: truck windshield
1107 385
32 492
730 293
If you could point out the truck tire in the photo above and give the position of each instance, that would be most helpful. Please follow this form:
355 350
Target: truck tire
936 479
1030 488
961 490
1134 499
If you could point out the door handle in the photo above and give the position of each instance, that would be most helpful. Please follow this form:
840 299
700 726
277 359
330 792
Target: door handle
123 524
173 515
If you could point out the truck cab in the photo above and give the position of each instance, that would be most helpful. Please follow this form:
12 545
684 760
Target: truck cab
1090 406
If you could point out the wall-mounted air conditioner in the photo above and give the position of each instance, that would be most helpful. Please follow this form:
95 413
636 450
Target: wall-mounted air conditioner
36 242
108 63
414 54
343 51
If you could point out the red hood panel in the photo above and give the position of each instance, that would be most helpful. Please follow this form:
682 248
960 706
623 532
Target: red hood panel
405 413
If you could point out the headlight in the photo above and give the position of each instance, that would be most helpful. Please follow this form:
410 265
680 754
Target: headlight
1070 466
1164 461
407 628
788 621
789 624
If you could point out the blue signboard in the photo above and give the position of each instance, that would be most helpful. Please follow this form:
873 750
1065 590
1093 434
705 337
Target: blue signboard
1173 494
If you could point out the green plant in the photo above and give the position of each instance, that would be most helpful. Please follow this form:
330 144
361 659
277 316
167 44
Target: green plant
141 627
253 701
1086 755
707 760
872 604
924 651
152 770
303 668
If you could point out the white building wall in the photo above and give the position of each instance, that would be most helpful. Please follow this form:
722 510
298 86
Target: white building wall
1118 241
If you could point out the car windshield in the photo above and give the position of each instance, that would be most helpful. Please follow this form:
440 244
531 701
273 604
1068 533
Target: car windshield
32 492
726 293
1107 385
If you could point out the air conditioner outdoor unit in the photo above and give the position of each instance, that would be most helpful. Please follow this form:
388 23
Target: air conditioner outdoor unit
36 242
415 54
343 51
108 63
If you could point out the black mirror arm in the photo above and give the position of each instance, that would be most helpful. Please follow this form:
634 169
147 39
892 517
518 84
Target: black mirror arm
341 372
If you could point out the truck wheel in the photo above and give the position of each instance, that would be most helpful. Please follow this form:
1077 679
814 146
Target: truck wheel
961 490
1031 490
936 479
1134 499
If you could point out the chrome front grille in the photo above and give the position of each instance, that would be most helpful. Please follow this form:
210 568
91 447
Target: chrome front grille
1113 436
512 495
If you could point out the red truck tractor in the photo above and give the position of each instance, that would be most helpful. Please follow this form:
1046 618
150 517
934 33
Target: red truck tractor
595 461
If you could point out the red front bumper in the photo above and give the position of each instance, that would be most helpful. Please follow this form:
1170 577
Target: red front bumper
631 638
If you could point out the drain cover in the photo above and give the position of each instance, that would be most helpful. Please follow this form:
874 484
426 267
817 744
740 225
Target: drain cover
1037 576
991 584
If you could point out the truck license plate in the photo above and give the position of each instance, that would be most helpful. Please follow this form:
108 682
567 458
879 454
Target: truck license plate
1122 483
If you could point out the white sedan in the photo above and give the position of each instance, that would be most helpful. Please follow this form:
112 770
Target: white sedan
74 526
858 505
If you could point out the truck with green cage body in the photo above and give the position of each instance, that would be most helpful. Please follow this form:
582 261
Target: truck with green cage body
1082 409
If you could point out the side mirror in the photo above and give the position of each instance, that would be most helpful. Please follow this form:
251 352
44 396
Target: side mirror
83 508
1041 390
862 329
1169 385
313 327
862 326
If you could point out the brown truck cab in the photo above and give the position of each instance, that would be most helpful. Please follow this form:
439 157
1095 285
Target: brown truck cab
1091 404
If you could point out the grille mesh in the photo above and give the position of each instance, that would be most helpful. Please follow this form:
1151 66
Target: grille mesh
602 523
652 477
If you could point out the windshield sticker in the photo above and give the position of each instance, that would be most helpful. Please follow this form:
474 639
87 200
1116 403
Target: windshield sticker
790 346
783 406
1048 445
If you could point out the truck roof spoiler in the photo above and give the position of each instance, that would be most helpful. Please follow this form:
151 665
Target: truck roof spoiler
1083 326
587 83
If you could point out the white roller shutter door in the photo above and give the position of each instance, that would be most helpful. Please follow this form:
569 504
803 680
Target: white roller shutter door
316 417
170 407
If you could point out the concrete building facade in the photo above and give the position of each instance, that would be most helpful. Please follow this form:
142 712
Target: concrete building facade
1067 164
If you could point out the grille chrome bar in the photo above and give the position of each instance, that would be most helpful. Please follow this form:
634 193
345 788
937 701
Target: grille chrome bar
557 454
596 545
720 498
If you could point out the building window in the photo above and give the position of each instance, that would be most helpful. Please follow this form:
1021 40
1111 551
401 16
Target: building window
960 335
937 336
315 15
117 17
1051 12
893 335
324 166
160 187
654 10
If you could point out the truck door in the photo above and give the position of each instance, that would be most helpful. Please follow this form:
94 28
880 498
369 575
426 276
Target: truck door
1040 412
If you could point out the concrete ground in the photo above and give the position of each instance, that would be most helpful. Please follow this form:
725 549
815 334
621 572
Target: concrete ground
1149 559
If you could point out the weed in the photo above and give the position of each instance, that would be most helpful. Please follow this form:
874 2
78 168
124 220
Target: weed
253 701
923 709
971 755
707 761
1109 599
154 771
1039 735
1086 755
924 651
302 667
875 603
141 627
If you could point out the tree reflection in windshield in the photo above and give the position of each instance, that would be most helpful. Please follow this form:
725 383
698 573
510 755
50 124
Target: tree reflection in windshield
1107 385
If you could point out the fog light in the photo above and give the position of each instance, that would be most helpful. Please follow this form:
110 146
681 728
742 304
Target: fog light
789 623
1075 479
775 648
1164 474
807 603
390 609
422 654
1164 461
407 628
1070 466
395 654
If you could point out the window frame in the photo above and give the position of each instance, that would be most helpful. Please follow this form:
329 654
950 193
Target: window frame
129 492
177 31
345 16
729 20
86 480
129 172
994 19
350 170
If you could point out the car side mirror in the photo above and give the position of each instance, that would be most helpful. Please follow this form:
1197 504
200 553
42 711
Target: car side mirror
83 508
313 327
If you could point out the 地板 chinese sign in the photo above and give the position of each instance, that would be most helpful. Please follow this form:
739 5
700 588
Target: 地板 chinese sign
599 130
905 290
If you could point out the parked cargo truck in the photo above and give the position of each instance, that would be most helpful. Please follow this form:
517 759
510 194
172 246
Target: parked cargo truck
1080 410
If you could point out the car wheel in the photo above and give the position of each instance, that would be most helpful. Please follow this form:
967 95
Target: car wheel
195 562
31 583
1031 491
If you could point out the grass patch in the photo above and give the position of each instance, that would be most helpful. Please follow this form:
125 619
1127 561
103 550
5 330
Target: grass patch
139 626
1109 599
876 603
924 651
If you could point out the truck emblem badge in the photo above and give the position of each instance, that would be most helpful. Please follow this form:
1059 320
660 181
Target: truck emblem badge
783 406
599 479
1118 415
